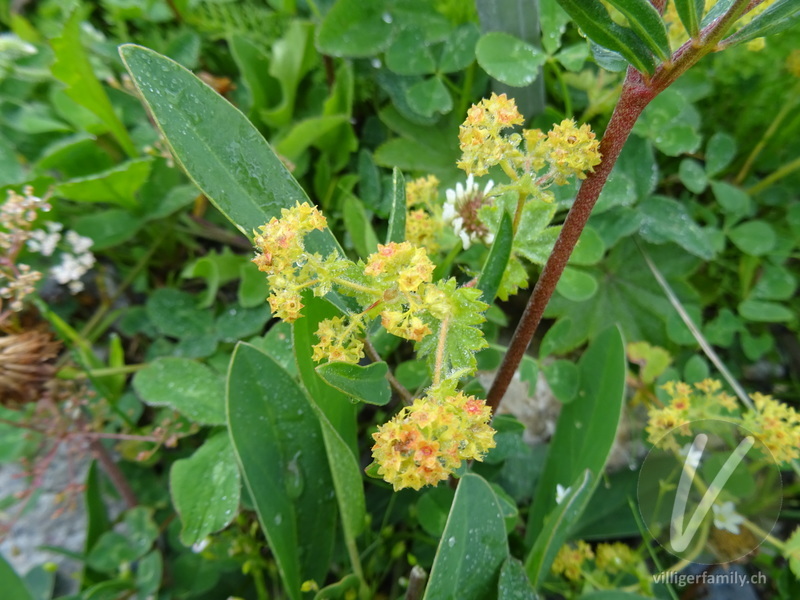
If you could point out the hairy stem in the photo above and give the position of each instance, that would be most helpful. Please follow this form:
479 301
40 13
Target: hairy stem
637 92
635 96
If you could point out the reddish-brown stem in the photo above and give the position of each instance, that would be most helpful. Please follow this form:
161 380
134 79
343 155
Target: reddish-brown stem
637 92
635 96
114 473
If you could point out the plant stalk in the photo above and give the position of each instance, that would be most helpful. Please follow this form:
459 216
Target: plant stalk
637 92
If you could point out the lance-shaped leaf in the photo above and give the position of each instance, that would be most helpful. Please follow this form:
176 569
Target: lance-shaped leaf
556 527
220 150
72 66
279 447
473 546
596 23
690 13
397 219
495 265
646 21
777 18
586 427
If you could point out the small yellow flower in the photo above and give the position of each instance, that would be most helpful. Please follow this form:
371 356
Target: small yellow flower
425 442
569 560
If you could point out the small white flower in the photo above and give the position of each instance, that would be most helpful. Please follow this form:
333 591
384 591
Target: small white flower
198 547
460 210
561 492
726 517
79 243
42 242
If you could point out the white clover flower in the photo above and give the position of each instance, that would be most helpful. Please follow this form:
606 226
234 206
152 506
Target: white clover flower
460 210
726 517
561 492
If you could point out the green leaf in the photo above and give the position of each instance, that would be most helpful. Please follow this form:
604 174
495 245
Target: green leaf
589 249
473 546
461 331
335 404
762 311
720 151
12 584
667 220
117 185
185 385
149 572
72 66
113 549
495 265
97 522
755 238
429 96
780 16
646 22
733 200
577 285
563 377
586 428
553 22
205 488
254 67
365 384
776 283
596 23
410 54
358 226
690 13
459 48
693 176
303 134
220 150
556 526
347 479
509 59
278 444
514 583
253 286
355 29
397 218
176 314
293 56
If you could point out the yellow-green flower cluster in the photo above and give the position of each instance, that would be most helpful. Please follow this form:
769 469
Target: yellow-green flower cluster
776 425
704 400
422 191
423 214
614 558
570 560
282 257
565 151
773 423
425 442
482 142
